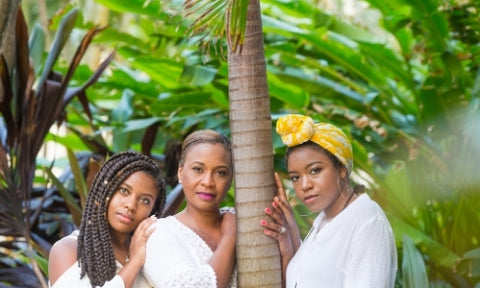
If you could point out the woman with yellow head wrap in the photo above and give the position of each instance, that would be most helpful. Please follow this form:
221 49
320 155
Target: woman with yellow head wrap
351 242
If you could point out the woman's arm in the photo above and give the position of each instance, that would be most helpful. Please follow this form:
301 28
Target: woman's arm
282 215
223 258
137 251
62 256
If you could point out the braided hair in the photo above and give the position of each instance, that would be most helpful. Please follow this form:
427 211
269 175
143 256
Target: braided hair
95 249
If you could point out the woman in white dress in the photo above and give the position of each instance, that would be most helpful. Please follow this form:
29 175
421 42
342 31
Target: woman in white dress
109 248
351 242
196 247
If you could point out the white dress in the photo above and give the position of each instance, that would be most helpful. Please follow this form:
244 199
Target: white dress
71 277
178 258
354 249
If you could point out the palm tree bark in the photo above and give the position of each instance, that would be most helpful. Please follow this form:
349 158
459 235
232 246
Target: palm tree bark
258 260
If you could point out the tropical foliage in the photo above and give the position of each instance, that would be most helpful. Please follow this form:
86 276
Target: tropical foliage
408 95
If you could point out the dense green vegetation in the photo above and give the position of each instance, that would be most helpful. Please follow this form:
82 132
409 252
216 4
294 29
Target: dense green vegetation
409 97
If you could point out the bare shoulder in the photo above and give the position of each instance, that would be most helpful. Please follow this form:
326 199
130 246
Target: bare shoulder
62 256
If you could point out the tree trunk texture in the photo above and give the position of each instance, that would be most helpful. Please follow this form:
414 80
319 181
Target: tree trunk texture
258 260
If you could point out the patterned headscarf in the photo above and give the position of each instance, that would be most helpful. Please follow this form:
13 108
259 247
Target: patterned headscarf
297 129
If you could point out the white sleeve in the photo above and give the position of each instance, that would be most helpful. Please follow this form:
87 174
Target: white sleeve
374 256
170 263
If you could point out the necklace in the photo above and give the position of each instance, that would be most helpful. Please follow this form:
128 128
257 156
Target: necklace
122 256
348 200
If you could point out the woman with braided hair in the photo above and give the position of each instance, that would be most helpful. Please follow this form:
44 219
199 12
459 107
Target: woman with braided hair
109 248
196 247
351 242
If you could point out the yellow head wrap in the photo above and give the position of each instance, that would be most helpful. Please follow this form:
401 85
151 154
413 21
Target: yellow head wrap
297 129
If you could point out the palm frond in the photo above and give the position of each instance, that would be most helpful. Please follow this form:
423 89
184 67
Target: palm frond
210 21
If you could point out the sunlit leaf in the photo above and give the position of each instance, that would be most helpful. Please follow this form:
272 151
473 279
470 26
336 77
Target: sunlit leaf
139 124
61 36
413 267
80 183
70 201
198 75
141 7
292 95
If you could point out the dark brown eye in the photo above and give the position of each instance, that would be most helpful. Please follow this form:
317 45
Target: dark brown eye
122 190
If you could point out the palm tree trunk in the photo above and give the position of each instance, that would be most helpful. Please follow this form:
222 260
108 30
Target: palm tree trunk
258 260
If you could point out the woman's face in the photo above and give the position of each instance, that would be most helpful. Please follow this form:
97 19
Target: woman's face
315 180
132 202
206 175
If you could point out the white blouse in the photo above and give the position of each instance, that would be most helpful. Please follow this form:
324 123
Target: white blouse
354 249
178 258
71 277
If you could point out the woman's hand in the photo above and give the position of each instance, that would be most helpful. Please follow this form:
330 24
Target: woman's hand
283 226
282 215
139 239
229 225
223 259
281 201
137 251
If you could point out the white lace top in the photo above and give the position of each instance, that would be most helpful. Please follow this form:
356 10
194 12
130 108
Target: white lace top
178 258
71 277
355 249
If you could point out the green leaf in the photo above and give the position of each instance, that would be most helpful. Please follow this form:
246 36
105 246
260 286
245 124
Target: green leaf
164 71
122 78
276 25
139 124
437 253
293 95
472 254
399 187
70 202
121 141
42 263
142 7
69 140
387 60
413 267
124 110
80 183
185 101
61 36
36 47
198 75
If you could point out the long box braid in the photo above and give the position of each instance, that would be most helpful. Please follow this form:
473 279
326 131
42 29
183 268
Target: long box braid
95 250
